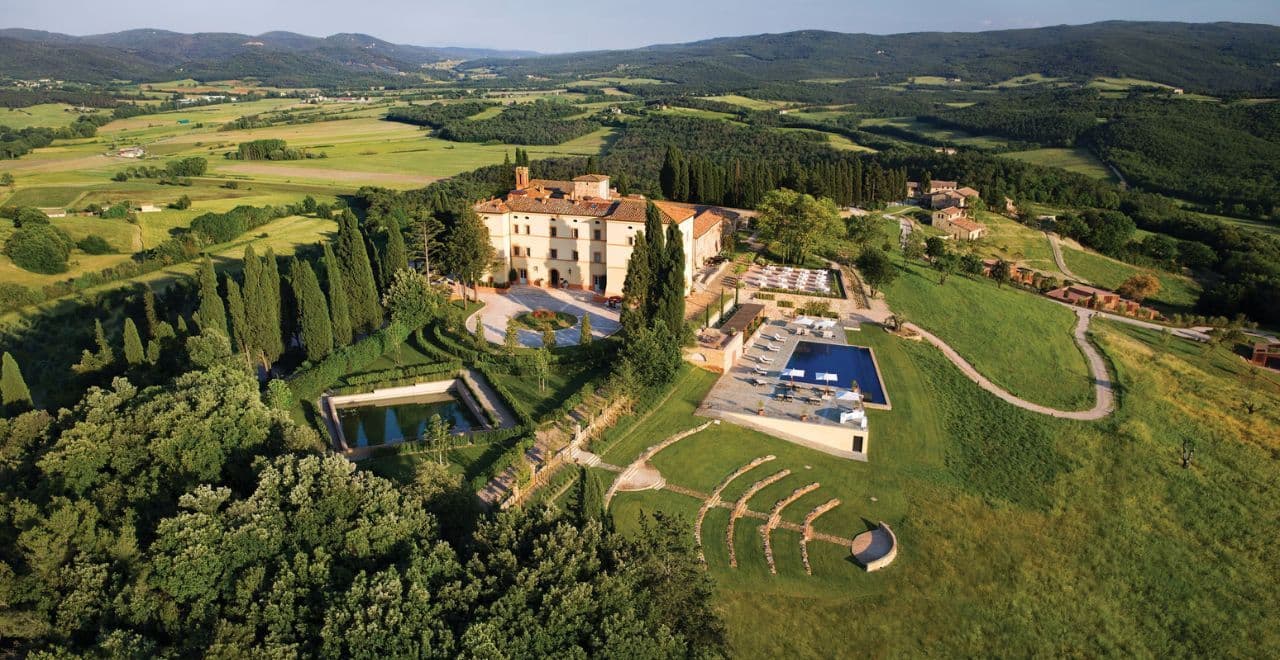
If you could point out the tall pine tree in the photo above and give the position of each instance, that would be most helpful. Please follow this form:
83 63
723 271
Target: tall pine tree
211 315
357 276
339 311
13 388
313 312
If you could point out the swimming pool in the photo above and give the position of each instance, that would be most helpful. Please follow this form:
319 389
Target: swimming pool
368 425
849 363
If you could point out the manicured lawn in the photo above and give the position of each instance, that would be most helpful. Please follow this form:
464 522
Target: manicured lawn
545 319
1073 160
1177 293
1042 534
749 103
1019 340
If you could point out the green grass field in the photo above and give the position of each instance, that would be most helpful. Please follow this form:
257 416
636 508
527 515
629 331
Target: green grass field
749 103
1026 80
931 132
1078 160
1040 533
1020 341
51 115
1177 293
1016 242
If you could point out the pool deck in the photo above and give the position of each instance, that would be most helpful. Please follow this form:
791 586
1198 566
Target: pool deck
815 424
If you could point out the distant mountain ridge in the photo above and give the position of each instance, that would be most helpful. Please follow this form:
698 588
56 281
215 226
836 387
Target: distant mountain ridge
284 58
1217 57
1210 57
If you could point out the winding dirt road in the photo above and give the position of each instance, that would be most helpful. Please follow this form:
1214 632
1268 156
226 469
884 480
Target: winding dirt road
1056 246
1104 395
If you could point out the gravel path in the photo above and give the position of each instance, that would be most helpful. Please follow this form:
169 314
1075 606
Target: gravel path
1056 245
1104 395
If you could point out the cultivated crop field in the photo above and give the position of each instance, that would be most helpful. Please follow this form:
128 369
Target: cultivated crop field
1073 160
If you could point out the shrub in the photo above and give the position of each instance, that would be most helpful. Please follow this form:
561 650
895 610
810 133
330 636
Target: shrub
14 296
94 244
786 303
28 216
40 249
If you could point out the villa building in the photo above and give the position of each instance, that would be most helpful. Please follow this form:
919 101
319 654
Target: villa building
1266 354
1101 299
580 233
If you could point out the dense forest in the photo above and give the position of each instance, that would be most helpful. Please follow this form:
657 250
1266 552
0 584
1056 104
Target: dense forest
539 122
1225 157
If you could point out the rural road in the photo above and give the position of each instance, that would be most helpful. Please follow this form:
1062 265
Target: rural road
1104 396
1056 245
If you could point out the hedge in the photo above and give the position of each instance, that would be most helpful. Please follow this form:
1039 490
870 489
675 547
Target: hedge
309 383
399 373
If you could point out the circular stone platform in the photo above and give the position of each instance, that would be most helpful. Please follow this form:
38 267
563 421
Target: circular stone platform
876 548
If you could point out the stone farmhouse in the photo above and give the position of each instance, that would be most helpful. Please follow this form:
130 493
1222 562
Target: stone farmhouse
953 221
579 234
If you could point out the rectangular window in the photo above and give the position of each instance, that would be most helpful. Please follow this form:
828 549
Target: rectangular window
631 240
595 234
575 255
526 229
575 232
596 257
553 232
555 254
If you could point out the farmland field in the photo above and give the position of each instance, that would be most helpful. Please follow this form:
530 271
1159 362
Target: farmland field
1078 160
51 115
1177 292
931 132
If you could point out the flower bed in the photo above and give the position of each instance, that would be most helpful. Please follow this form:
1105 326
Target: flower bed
542 320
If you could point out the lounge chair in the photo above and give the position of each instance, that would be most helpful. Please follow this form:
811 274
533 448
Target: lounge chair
770 347
760 370
763 359
772 337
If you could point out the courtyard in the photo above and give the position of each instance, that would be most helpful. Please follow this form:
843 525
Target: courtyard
500 308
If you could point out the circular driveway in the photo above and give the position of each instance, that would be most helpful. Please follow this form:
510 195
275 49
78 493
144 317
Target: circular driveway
499 308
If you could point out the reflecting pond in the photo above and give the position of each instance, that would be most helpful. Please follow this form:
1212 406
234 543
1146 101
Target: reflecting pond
396 420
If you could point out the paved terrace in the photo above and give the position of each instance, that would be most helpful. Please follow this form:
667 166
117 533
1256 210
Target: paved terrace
740 390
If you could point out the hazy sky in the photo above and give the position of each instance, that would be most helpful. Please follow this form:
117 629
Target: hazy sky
570 25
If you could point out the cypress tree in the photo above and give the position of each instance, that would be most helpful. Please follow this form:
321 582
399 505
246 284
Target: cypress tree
338 309
668 174
257 321
396 257
357 276
670 303
273 342
636 286
13 388
585 337
211 315
657 253
240 331
133 351
149 307
313 312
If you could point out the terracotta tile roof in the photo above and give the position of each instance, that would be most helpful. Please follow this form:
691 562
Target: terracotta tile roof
968 192
951 212
675 211
591 178
967 225
939 183
707 221
561 187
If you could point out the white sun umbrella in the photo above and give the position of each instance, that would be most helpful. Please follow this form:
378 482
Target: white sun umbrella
793 374
804 320
825 323
849 395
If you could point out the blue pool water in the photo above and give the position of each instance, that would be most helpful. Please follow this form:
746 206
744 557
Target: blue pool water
850 363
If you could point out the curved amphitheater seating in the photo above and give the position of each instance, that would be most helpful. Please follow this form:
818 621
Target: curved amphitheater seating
775 517
741 508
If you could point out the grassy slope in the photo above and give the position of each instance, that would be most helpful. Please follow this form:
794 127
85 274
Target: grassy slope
1019 533
1020 341
1177 293
1073 160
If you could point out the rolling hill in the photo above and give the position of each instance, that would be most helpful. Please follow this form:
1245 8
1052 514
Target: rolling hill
277 58
1212 57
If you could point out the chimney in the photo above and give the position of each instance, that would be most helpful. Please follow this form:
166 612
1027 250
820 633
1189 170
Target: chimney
522 178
